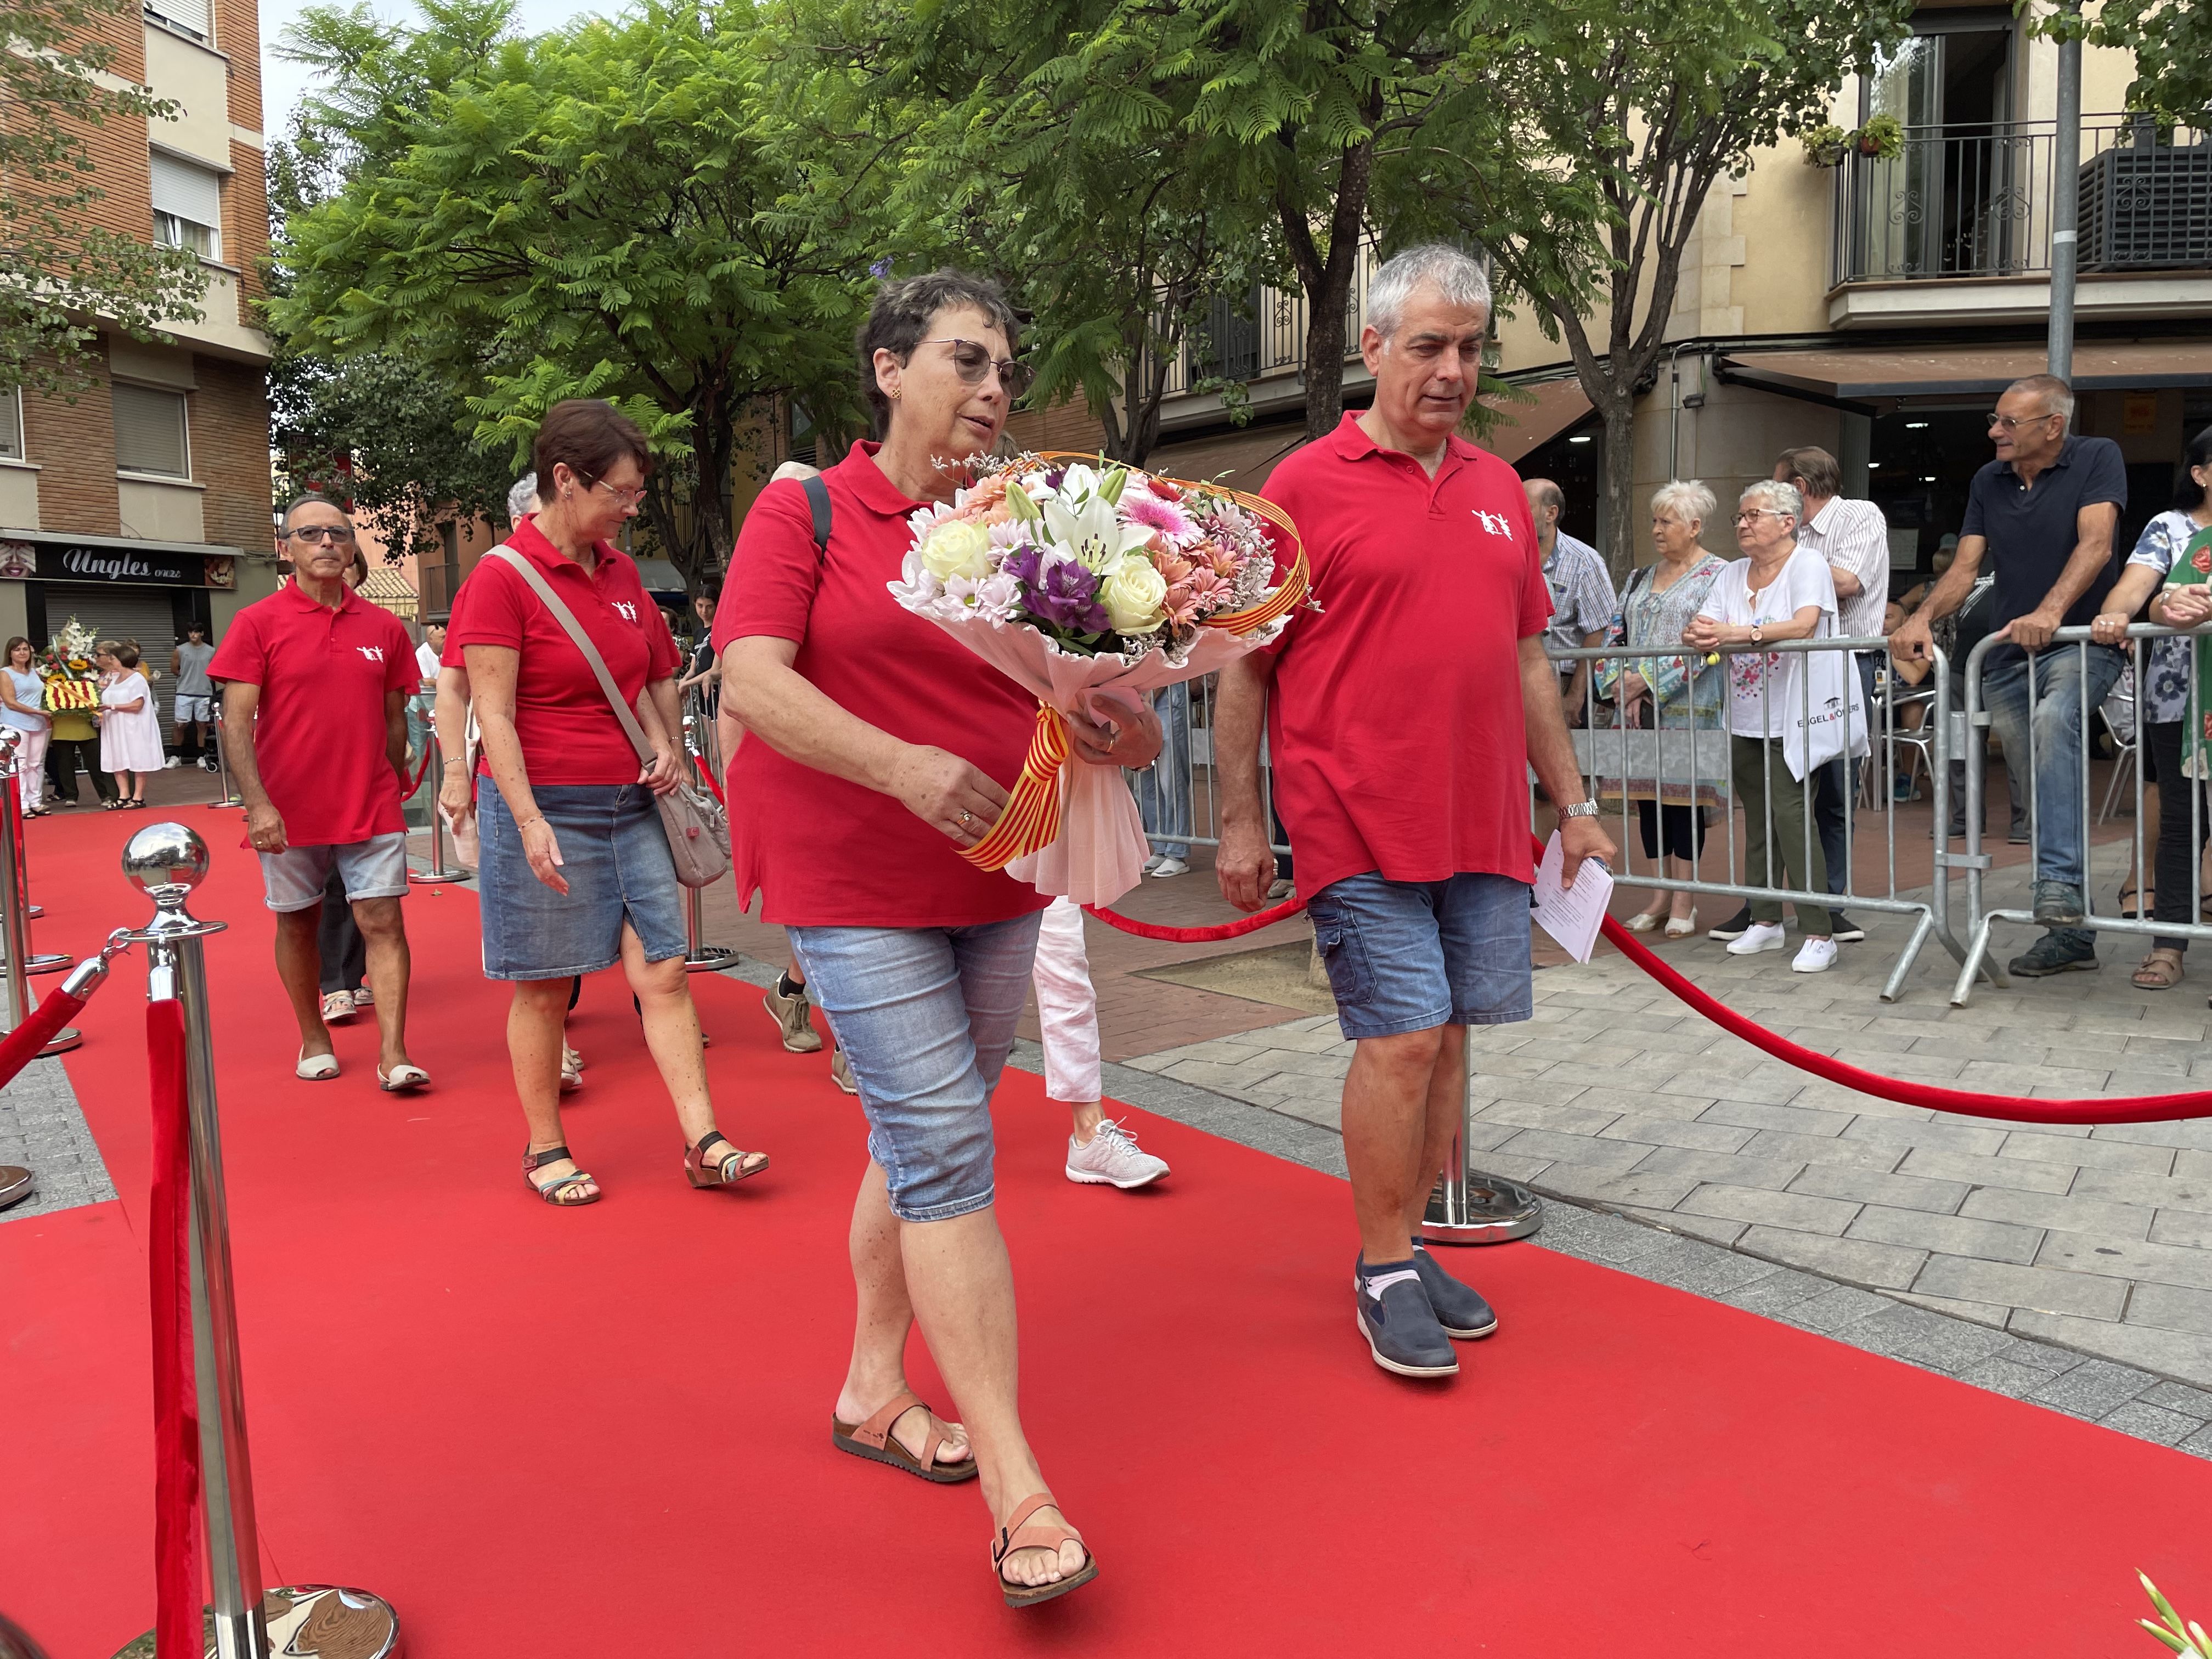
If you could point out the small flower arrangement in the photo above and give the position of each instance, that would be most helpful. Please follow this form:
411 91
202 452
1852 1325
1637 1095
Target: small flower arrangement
66 665
1090 585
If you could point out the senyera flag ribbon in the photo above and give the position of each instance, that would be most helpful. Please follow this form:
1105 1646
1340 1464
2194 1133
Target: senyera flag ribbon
1089 584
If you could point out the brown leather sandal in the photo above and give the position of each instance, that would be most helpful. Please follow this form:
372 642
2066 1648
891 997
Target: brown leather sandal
732 1167
872 1440
1040 1536
562 1194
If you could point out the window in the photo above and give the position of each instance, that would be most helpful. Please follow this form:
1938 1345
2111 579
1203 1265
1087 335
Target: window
187 17
11 426
187 206
149 431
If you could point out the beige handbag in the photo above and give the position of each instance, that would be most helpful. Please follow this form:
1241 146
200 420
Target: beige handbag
698 831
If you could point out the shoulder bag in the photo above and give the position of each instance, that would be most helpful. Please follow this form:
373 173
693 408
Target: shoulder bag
698 831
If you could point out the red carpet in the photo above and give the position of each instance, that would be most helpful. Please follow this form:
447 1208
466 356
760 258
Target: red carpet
602 1432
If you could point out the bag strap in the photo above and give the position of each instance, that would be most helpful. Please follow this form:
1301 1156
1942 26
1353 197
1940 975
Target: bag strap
582 641
817 501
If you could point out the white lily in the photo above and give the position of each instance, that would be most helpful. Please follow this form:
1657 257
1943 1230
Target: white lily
1084 522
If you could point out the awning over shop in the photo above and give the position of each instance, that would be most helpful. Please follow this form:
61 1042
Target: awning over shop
1522 427
1848 376
1241 460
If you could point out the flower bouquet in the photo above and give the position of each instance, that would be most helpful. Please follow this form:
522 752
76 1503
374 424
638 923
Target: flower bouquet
66 665
1090 583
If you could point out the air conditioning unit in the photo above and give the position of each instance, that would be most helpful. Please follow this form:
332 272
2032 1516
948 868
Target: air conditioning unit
2146 206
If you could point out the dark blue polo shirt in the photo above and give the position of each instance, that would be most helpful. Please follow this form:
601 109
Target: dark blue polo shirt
2031 532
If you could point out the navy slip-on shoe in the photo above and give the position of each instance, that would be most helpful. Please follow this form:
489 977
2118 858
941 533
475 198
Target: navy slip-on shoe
1460 1309
1400 1328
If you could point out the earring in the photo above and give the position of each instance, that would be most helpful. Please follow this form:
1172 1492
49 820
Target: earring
893 392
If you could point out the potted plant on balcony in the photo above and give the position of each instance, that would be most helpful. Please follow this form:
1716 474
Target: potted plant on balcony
1880 139
1826 147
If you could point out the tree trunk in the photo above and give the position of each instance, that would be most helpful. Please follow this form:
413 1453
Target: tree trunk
1619 410
1325 315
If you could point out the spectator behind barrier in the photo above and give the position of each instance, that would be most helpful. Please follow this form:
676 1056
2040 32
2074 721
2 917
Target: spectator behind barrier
1582 601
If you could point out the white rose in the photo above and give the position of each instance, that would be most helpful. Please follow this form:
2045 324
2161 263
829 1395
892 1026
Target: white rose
958 548
1132 592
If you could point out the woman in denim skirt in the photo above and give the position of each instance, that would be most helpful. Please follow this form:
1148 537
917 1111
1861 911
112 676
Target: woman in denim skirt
879 747
575 873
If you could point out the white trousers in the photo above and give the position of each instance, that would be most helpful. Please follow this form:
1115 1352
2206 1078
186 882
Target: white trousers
31 766
1067 1008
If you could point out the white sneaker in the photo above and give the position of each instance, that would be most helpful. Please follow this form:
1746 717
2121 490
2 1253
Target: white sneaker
1167 868
1817 957
1759 936
1153 863
1112 1159
172 763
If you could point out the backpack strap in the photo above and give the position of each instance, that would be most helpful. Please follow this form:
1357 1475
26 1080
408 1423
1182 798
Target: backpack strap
817 500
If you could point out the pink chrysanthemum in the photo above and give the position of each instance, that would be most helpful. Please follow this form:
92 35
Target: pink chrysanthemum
1143 507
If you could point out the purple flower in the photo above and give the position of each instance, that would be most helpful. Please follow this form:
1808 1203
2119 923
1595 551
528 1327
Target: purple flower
1060 594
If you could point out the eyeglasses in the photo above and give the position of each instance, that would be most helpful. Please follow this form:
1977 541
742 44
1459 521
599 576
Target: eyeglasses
2013 423
1760 512
971 358
322 532
622 497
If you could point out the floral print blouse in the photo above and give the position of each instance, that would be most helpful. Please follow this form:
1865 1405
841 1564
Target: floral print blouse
2167 664
1654 621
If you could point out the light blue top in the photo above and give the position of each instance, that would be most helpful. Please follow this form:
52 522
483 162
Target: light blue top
192 662
31 691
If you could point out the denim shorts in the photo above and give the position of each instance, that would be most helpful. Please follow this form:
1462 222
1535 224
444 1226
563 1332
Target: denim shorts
1409 956
376 868
925 1016
614 854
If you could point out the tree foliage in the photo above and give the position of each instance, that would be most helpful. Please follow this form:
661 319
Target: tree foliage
611 210
58 271
2172 40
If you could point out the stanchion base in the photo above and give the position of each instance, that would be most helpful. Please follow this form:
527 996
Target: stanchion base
16 1184
710 959
61 1042
48 962
230 806
34 911
312 1619
431 878
1498 1212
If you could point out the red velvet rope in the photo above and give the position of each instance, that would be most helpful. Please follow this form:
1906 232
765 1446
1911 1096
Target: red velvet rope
22 1044
177 1621
1252 924
421 772
708 773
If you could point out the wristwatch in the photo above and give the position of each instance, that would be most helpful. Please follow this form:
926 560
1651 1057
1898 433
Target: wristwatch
1757 637
1581 809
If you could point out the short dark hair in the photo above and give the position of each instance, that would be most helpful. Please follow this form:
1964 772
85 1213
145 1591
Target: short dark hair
590 436
2188 494
1820 473
710 589
193 627
124 651
899 321
308 499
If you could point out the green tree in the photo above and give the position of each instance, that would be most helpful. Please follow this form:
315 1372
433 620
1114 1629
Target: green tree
613 210
58 270
1588 208
2172 40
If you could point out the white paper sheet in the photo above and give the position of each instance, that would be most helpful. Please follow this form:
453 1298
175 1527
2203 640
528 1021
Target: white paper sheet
1571 916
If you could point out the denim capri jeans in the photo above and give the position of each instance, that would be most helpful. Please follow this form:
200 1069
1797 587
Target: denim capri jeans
1410 956
925 1016
614 854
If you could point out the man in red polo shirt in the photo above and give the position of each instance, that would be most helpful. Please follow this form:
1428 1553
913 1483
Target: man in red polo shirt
314 719
1403 716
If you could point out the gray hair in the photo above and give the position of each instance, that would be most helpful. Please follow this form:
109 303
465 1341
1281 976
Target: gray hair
2058 395
1458 276
310 499
1774 498
520 498
1687 499
900 321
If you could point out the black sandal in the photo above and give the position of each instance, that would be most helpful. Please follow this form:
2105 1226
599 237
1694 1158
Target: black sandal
558 1193
728 1170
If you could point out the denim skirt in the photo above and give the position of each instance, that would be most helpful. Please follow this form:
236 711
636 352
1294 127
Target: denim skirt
614 854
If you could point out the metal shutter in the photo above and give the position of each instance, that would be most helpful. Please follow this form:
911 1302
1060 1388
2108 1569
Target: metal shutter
149 430
147 614
189 192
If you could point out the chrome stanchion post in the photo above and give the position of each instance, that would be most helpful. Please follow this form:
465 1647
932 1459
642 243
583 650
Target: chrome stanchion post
699 957
231 798
437 873
1469 1207
166 861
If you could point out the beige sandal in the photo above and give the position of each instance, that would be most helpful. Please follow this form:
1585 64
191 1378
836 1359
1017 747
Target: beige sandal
873 1441
2160 970
1038 1535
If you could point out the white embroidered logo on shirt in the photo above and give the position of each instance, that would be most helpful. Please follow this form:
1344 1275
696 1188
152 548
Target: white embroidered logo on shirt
628 609
1496 522
374 653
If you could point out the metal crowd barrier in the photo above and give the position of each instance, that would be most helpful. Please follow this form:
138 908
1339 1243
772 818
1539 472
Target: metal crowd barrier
703 744
2076 644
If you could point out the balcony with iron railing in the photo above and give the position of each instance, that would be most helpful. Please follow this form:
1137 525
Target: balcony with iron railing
1964 203
1269 346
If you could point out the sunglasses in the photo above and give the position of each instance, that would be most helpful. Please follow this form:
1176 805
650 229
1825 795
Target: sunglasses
322 532
972 360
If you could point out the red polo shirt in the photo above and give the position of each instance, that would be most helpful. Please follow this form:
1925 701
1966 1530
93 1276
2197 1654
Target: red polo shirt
1395 723
828 852
320 734
569 732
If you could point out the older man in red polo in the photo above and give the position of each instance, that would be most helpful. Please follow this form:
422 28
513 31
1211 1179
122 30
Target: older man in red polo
1401 719
316 681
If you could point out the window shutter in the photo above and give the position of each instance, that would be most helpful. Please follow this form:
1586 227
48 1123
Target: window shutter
187 192
149 430
188 15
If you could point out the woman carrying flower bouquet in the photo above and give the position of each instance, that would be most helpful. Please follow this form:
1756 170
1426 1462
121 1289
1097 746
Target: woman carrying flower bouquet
921 960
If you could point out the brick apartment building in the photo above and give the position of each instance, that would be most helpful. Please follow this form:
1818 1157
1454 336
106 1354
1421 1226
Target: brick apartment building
144 505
